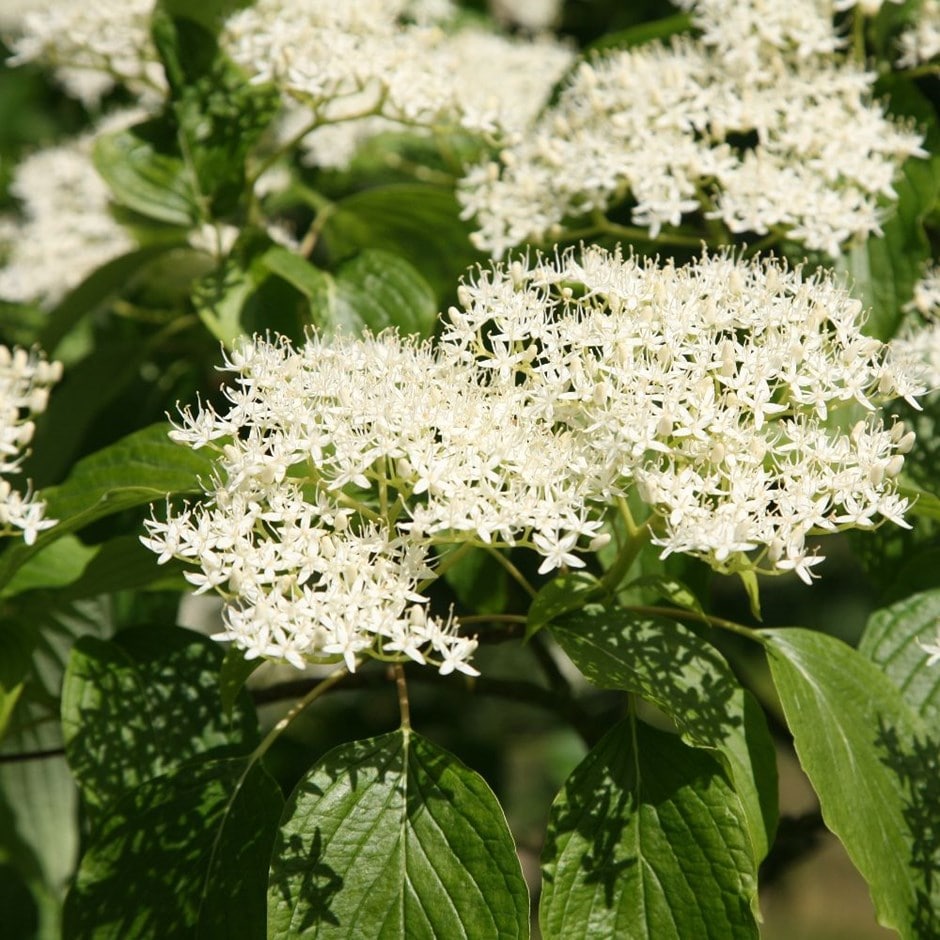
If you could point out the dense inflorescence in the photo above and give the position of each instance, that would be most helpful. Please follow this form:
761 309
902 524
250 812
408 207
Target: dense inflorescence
739 400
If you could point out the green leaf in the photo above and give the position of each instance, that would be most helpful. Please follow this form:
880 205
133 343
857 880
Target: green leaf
102 284
142 704
891 640
42 840
140 468
562 595
233 674
378 289
480 582
9 696
313 283
669 589
220 297
642 33
145 174
58 564
183 856
647 841
393 837
672 667
123 564
375 290
420 223
865 752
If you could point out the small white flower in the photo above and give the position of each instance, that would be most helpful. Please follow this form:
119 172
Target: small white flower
25 380
932 650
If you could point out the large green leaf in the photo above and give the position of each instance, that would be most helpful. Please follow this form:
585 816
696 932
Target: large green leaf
124 564
868 758
420 223
140 468
220 297
183 856
647 840
60 563
393 837
669 665
142 704
378 289
892 640
145 173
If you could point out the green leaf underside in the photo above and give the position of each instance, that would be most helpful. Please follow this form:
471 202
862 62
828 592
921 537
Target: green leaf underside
183 856
865 753
891 640
141 705
140 468
647 840
670 666
393 837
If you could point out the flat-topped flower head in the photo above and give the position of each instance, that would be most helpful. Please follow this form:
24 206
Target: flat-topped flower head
658 128
360 68
740 399
920 42
917 345
91 46
25 380
345 468
65 229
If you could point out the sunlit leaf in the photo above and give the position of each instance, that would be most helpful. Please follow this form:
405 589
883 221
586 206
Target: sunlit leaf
393 837
868 757
892 640
670 666
140 468
647 841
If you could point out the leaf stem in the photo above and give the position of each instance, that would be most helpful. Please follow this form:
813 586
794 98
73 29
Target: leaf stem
680 613
319 689
514 572
401 686
639 538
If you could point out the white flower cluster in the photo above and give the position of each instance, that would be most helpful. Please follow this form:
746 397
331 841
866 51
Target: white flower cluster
918 343
66 230
91 46
25 379
757 125
378 58
348 470
719 389
532 15
865 7
920 43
